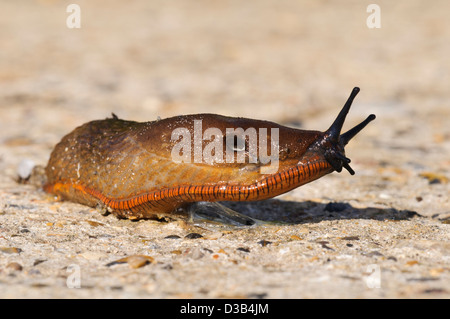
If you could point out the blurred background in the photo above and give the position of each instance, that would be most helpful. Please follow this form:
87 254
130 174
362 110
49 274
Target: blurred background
292 62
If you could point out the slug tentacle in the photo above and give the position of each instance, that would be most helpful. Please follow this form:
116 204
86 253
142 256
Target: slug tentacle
335 129
331 145
347 136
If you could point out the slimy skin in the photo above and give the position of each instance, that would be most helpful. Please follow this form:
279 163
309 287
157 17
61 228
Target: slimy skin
129 167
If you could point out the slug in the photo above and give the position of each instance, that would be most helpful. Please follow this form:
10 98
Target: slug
167 167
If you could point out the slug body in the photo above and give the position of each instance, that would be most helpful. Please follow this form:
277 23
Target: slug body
147 170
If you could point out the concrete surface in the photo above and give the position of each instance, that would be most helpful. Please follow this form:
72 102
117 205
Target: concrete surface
385 233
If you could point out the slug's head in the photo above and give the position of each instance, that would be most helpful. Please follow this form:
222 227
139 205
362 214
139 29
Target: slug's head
331 144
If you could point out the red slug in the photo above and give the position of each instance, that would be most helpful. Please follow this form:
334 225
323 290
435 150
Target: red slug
152 169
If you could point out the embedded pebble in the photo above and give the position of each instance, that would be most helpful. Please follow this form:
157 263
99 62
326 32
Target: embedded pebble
134 261
193 236
10 250
264 242
194 253
25 168
172 237
14 266
434 178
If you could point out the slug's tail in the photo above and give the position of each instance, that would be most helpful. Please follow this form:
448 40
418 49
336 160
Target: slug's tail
333 142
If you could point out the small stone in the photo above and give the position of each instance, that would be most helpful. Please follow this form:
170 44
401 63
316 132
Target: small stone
194 253
94 223
24 169
10 250
435 291
392 258
172 237
116 288
324 244
38 261
264 242
193 236
434 178
34 272
412 263
134 261
138 261
14 266
372 254
168 267
93 255
436 271
350 238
